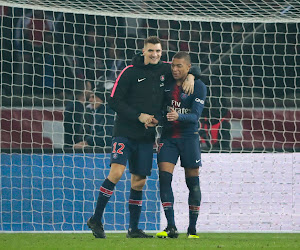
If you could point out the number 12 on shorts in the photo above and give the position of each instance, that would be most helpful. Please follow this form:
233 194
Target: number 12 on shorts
120 148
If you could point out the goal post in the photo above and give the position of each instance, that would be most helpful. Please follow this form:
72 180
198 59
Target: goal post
248 52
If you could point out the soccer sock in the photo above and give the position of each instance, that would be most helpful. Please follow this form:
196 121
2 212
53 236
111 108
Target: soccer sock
135 208
194 201
106 191
166 196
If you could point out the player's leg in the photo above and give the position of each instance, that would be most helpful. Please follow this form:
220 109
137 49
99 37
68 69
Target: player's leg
167 158
191 161
192 182
107 188
140 165
136 200
119 156
106 191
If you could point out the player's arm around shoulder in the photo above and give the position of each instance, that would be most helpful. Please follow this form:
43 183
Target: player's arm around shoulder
200 91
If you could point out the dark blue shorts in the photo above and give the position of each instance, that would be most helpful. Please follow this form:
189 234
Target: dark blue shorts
139 155
187 148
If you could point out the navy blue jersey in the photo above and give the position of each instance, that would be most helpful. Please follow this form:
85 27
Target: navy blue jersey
189 108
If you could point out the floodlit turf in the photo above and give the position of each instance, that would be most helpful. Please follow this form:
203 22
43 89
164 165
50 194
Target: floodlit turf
119 241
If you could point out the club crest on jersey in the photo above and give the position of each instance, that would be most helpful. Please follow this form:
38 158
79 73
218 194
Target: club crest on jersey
183 96
162 78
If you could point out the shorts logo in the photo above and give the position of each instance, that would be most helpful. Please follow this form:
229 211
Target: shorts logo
115 156
197 161
198 100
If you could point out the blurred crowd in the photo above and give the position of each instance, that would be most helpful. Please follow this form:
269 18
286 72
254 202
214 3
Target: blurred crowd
53 55
44 52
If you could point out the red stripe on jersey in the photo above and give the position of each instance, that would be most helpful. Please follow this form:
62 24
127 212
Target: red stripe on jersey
135 202
117 81
106 191
176 97
194 208
167 204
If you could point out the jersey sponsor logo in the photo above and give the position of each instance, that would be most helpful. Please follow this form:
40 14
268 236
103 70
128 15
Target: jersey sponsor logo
142 79
199 100
179 110
176 104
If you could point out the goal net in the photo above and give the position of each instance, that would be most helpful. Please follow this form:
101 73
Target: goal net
55 53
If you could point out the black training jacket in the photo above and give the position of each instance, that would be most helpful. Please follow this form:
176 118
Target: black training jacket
138 89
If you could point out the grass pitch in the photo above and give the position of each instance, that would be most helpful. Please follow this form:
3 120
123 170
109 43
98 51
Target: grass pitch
119 241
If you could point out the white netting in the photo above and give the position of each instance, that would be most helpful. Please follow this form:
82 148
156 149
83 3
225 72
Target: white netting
218 10
248 52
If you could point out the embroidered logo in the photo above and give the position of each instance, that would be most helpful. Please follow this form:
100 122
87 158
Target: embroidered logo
183 96
142 79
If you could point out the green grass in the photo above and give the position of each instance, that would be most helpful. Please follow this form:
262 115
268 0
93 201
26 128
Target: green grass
119 241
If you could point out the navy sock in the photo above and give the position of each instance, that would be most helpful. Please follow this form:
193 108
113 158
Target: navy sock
166 196
135 208
106 191
194 201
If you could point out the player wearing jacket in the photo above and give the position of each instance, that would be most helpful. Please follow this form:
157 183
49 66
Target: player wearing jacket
139 89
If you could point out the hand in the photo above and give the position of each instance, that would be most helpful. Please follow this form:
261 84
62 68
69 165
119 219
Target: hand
145 118
172 115
80 145
188 84
153 123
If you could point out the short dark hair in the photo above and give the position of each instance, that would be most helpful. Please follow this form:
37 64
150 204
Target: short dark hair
183 55
152 40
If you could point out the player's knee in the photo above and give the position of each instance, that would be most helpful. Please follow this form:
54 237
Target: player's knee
116 172
195 191
191 172
166 167
138 182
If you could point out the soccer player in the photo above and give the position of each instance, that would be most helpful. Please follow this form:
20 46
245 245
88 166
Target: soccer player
180 138
137 98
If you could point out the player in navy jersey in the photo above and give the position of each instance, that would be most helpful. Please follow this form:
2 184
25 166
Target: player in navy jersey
180 138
